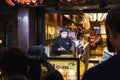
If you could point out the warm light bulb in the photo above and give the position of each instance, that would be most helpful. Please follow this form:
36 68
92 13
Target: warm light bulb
1 41
34 1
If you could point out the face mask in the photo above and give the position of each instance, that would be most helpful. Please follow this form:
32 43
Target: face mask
64 34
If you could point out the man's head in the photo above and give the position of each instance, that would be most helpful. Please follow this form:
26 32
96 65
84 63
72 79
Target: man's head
38 53
53 75
13 62
63 32
113 29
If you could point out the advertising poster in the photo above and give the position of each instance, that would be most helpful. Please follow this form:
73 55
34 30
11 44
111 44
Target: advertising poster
67 68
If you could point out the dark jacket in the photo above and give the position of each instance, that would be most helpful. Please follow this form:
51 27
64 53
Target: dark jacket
66 43
107 70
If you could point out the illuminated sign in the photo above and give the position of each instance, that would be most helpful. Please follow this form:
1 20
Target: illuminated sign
68 68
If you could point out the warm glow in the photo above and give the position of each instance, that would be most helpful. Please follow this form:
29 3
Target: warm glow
93 16
10 2
34 1
86 22
24 2
1 41
101 16
97 16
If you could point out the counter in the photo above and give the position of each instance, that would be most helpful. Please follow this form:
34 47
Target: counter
71 67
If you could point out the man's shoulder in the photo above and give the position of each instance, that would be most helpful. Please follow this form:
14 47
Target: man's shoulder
105 70
56 38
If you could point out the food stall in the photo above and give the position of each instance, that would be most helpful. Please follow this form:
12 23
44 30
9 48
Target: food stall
72 67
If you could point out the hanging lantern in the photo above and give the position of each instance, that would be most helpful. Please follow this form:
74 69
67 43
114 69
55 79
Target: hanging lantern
24 2
10 2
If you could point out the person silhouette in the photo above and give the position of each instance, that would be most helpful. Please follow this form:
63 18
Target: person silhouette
13 64
37 57
53 75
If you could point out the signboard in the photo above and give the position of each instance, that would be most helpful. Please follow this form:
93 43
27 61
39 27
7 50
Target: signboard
68 68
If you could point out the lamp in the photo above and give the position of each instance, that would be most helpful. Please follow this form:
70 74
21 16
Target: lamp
97 16
24 2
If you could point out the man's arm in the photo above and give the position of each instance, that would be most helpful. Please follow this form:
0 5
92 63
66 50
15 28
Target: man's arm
55 45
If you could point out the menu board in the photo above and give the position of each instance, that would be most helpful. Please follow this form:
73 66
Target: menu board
68 68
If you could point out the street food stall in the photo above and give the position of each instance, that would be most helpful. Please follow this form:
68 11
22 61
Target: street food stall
71 67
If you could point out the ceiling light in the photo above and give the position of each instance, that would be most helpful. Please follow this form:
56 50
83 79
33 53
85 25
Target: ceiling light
97 16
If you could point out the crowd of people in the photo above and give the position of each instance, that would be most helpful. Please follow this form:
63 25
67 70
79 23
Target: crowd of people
18 65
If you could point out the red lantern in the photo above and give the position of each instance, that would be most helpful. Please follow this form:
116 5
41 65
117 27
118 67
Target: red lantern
40 1
24 2
10 2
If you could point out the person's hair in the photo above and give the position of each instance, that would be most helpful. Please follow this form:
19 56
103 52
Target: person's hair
37 56
14 61
113 22
53 75
113 19
38 52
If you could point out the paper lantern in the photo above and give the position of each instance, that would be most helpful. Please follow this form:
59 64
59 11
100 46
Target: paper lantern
24 2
